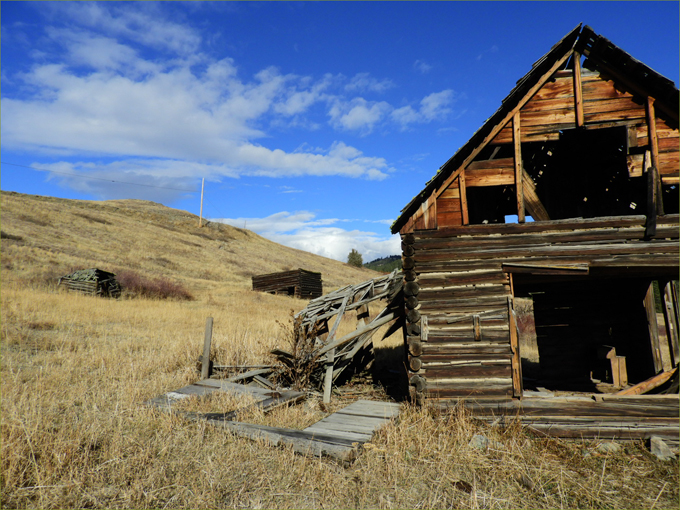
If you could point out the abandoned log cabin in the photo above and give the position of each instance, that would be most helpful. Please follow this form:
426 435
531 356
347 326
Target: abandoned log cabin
298 282
92 281
564 201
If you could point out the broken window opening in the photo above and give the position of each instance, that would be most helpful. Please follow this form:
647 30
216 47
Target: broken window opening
585 174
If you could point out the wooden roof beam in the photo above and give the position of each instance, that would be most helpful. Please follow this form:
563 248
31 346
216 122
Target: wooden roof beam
508 117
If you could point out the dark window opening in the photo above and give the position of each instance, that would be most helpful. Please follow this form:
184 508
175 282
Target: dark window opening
585 174
490 204
571 330
670 199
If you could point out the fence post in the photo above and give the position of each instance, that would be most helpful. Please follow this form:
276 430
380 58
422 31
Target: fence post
205 363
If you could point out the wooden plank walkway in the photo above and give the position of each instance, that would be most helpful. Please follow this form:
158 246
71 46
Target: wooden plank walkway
339 435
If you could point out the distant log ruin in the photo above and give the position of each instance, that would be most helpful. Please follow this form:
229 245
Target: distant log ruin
92 281
299 283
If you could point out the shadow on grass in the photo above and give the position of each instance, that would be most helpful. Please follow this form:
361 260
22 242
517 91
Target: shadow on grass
389 371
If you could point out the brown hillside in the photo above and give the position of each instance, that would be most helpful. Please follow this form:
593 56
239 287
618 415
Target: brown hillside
45 237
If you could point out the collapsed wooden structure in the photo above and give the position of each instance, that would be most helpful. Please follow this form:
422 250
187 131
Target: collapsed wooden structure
299 283
318 353
588 150
92 281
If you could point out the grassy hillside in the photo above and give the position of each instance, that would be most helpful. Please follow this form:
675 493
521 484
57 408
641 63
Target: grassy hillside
385 264
45 237
76 370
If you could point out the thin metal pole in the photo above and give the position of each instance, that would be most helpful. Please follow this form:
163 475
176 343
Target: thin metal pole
200 217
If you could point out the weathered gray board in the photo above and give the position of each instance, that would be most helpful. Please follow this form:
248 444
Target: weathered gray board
339 435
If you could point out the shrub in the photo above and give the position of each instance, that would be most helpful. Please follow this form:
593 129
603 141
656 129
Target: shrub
355 259
135 285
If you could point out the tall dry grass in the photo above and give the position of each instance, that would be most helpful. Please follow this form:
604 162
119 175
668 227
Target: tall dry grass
76 369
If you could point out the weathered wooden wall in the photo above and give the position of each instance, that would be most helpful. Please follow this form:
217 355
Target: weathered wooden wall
299 283
604 104
460 285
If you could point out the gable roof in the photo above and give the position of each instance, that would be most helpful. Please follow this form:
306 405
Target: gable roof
602 55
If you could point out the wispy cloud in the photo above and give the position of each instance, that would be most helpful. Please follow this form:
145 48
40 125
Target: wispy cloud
492 49
422 67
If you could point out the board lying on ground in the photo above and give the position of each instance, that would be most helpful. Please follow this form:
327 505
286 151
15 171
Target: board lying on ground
339 435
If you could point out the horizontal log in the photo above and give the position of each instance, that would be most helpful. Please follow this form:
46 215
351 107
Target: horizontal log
438 371
547 226
585 251
464 292
457 357
544 239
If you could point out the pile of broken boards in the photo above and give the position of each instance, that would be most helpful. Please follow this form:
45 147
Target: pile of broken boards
339 436
317 357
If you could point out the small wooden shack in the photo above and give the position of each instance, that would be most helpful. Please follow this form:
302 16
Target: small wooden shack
92 281
298 282
567 196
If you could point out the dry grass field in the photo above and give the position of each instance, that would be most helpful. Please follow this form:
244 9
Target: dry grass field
75 370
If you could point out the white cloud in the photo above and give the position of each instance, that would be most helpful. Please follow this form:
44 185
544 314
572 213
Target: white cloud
358 114
422 67
303 231
433 107
364 82
182 114
143 24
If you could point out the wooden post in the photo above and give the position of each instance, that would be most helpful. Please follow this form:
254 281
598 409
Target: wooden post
654 147
328 379
463 198
578 91
330 356
516 366
650 308
200 217
671 319
517 143
205 364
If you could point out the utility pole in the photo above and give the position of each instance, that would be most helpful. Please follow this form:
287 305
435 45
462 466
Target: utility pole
200 217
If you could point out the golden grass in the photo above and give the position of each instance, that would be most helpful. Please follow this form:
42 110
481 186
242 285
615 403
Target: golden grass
76 369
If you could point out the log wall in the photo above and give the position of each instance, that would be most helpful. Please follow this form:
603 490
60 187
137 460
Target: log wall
461 332
299 283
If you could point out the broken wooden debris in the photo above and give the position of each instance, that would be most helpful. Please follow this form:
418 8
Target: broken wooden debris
318 353
339 435
649 384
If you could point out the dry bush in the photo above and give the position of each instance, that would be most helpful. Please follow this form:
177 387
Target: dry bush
301 344
134 285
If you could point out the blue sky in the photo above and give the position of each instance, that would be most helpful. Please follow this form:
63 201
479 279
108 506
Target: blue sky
313 124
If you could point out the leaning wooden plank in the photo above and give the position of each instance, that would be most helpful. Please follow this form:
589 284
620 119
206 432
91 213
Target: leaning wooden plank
376 323
249 374
650 308
671 319
649 384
